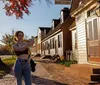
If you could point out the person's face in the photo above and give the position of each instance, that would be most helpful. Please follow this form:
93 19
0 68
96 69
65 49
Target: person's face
20 36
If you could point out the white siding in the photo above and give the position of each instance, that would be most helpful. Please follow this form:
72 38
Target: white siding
81 39
39 39
74 57
52 51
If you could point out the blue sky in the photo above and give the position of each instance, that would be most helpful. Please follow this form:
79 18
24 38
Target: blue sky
41 15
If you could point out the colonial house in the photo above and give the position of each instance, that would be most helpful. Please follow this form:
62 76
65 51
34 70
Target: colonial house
85 31
42 31
58 39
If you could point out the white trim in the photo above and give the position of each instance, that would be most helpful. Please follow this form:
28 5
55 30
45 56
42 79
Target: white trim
73 28
81 7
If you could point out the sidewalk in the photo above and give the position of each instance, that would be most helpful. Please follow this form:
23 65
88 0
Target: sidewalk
59 74
39 77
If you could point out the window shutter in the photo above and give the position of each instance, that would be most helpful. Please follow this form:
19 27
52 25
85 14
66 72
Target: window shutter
90 30
95 29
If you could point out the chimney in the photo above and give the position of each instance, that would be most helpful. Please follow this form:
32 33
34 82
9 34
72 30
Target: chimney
64 14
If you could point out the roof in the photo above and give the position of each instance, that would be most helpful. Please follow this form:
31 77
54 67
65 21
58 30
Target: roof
43 28
65 9
76 3
72 25
53 30
36 36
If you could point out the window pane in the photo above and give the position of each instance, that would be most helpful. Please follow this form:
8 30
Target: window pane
95 29
90 30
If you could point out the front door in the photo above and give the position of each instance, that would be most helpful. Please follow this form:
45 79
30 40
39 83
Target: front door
93 42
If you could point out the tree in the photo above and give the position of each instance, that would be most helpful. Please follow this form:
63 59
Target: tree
19 7
7 39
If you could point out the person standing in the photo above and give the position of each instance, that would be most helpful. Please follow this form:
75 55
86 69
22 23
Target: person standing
22 65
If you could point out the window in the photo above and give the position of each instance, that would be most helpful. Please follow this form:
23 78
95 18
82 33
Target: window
92 29
59 40
90 12
53 43
50 44
46 45
95 29
42 46
75 41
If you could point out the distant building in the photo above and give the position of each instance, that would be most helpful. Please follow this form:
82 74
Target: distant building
42 31
58 39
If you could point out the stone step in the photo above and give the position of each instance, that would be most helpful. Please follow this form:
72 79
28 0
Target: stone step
93 83
85 71
95 77
96 70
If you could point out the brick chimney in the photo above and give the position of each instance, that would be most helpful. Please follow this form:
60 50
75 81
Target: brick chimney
64 14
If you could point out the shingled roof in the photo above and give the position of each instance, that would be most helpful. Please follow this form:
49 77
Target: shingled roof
53 30
75 4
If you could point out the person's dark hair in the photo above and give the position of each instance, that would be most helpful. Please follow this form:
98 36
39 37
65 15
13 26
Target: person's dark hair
16 34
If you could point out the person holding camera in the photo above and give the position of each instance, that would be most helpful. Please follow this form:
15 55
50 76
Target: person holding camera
22 65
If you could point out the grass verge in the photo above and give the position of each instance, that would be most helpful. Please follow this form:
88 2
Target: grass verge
6 65
9 61
66 63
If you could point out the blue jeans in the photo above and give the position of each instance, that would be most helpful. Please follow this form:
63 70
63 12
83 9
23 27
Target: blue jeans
22 69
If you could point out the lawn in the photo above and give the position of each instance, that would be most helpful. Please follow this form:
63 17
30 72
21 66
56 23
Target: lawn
6 65
9 61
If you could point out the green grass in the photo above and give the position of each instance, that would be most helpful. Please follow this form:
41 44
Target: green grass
66 63
9 61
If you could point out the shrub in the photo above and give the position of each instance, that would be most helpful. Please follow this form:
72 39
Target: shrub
4 50
67 63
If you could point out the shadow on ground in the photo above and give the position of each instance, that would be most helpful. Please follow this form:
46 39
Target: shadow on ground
43 81
44 60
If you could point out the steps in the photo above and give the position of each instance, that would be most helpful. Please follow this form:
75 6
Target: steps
85 71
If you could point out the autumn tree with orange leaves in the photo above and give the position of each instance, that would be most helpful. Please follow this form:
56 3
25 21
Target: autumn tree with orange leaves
19 7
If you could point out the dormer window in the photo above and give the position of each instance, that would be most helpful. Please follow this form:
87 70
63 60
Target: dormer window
90 12
55 23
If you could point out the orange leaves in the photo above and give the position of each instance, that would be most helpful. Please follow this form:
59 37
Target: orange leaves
17 7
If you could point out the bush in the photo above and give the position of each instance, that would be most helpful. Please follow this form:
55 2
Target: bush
4 50
67 63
